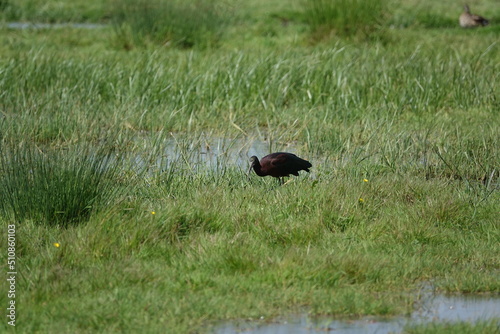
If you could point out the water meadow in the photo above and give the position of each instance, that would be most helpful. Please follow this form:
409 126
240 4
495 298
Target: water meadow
124 148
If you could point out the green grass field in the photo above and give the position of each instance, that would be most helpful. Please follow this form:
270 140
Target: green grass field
120 228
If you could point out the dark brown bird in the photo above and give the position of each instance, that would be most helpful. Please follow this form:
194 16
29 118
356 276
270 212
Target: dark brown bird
468 20
279 165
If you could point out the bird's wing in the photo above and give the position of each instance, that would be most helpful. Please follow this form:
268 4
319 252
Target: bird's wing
279 160
478 18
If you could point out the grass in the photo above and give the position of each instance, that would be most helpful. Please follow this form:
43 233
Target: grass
52 11
208 240
55 187
178 23
175 242
344 17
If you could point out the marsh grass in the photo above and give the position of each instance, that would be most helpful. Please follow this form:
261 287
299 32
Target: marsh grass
181 24
344 17
218 240
178 91
40 11
170 239
58 187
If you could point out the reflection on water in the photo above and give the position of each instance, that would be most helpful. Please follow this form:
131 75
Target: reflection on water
433 309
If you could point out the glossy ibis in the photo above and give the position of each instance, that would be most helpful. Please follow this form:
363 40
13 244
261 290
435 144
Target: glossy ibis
279 165
468 20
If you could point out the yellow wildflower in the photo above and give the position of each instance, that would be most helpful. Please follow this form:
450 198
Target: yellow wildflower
365 180
57 244
153 213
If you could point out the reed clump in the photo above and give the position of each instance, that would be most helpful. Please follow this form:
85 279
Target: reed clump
183 24
57 187
345 17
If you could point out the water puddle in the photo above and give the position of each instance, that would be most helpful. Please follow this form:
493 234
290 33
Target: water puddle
435 309
214 153
217 151
37 26
457 308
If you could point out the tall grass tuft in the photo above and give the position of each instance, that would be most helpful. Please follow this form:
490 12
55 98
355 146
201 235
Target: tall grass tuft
344 17
55 187
184 24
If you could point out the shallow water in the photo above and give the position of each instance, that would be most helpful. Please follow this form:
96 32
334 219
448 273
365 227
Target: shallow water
231 152
436 308
216 153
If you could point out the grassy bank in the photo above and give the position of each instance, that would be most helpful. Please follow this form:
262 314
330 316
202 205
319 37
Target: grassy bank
400 123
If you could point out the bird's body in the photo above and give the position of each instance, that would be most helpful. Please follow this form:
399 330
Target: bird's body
468 20
279 164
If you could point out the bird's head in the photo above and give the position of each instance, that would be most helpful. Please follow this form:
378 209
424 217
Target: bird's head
253 161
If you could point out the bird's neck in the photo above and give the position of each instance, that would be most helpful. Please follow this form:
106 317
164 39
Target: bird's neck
258 169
